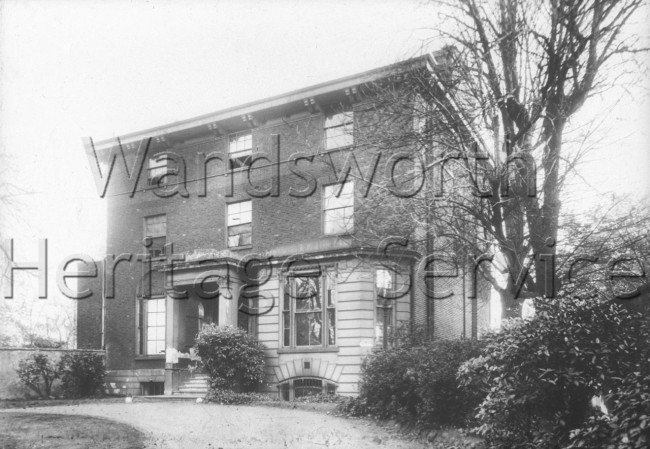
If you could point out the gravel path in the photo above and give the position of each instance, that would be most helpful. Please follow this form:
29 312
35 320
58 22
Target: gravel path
189 425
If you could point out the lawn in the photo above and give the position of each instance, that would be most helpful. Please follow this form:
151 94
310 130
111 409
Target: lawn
34 430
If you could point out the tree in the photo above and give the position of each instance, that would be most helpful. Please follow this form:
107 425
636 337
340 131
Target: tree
522 71
612 238
491 125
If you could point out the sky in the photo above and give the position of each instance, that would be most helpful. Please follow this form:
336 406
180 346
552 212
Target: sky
73 69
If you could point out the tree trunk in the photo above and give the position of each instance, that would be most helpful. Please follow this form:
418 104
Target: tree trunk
510 305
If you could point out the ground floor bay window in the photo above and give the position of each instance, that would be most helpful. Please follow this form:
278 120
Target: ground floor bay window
309 310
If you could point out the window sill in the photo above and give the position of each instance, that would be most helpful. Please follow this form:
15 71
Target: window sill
341 148
307 349
238 248
339 234
151 357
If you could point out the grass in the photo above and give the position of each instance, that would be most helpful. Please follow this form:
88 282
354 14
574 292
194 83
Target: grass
33 430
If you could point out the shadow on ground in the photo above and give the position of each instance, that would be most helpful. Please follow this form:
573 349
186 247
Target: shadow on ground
34 430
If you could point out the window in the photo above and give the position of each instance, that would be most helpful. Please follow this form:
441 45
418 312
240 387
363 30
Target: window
339 130
155 229
419 114
338 212
157 171
247 310
152 388
385 305
239 224
151 313
309 310
304 387
240 149
151 324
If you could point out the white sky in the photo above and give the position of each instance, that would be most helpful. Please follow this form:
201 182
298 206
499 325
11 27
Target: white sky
71 69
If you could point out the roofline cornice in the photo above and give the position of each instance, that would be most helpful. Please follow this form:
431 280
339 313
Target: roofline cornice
425 61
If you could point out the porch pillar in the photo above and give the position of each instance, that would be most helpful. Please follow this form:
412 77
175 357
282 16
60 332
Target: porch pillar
172 323
228 300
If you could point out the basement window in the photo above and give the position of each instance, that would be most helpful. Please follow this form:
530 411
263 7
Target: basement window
304 387
152 388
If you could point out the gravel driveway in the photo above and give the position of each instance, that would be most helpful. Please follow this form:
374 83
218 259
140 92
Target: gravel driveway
188 425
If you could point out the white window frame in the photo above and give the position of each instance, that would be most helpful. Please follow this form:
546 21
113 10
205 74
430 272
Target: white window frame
339 130
155 325
156 171
237 217
325 318
240 149
338 211
385 280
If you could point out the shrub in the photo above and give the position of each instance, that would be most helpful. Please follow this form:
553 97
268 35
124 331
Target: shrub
417 384
233 359
540 374
38 373
229 397
628 422
83 374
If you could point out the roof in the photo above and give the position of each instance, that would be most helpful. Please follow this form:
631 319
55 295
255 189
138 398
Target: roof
298 97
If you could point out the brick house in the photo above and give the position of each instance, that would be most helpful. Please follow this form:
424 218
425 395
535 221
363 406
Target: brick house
240 217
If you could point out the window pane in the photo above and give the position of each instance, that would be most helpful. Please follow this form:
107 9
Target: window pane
379 328
155 226
307 387
331 326
384 279
308 329
339 119
307 288
339 130
344 199
287 331
339 221
157 167
302 329
239 224
240 142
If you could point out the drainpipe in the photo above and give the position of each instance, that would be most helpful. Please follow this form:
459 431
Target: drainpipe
103 332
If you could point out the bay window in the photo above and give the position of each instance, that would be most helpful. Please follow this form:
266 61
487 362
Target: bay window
309 310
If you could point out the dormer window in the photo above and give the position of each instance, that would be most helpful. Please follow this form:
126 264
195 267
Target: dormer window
339 130
240 149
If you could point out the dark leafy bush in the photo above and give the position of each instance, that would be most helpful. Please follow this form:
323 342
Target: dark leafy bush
229 397
540 374
233 359
38 372
321 398
627 424
417 384
83 374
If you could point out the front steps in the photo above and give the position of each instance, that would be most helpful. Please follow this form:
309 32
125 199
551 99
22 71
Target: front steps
196 387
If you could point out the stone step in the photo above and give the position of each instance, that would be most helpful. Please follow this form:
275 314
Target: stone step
193 390
167 398
197 382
